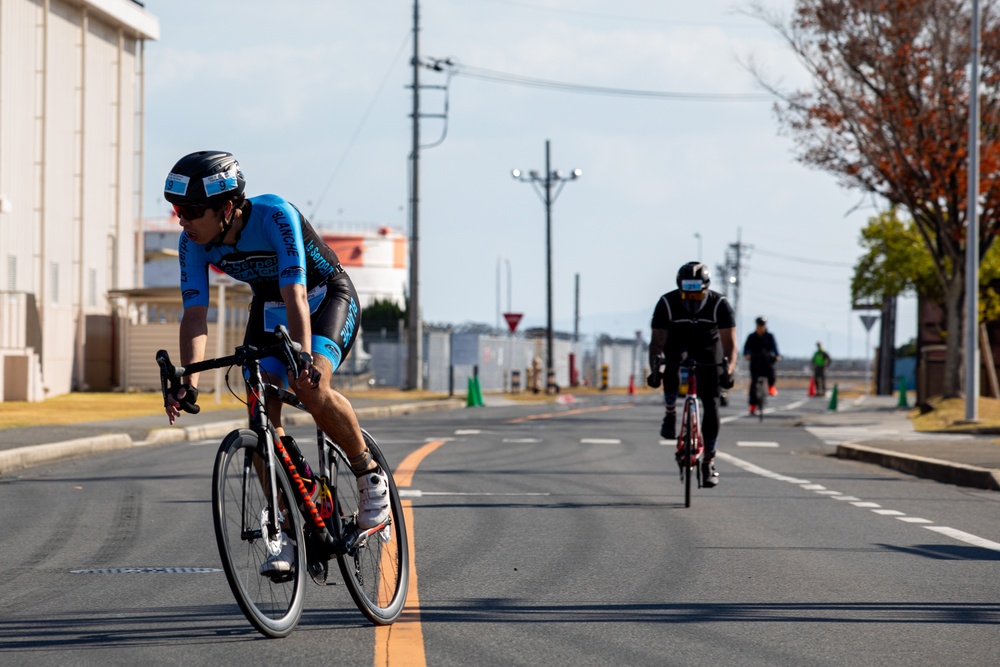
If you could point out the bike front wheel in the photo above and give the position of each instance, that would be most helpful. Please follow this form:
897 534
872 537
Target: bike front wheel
376 569
242 507
690 446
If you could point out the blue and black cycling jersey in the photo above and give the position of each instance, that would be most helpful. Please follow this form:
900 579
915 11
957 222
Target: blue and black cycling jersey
276 247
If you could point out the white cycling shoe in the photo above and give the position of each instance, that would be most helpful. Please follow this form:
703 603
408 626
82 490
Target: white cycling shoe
373 499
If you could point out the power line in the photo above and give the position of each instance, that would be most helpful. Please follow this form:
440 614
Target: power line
357 132
827 281
520 80
620 17
803 260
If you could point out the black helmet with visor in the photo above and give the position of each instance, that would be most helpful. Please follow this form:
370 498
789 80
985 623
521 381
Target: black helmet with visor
203 180
693 279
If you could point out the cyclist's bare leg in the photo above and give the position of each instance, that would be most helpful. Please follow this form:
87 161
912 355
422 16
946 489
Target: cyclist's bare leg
332 412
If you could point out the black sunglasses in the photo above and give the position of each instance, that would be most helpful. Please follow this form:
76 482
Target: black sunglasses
189 212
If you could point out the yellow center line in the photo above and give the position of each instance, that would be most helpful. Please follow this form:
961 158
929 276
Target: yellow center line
402 643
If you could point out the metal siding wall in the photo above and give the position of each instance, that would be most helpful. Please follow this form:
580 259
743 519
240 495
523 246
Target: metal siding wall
61 197
21 137
19 93
100 95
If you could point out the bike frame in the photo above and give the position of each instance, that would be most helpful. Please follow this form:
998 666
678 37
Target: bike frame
334 542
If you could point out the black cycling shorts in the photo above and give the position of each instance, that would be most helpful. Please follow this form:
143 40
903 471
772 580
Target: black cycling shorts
335 317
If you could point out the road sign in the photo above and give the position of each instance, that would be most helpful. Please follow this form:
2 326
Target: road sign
512 320
869 321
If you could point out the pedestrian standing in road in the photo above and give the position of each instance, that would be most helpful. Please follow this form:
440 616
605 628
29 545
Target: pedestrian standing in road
820 362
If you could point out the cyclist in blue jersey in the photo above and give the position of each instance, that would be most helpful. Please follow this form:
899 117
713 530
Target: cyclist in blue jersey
297 281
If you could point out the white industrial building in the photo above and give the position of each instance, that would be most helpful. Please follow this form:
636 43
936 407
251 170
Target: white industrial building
71 113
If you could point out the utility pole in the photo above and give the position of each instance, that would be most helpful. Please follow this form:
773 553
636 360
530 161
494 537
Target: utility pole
414 342
972 235
576 309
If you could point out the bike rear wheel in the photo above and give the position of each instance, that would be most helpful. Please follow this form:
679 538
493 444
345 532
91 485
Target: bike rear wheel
241 507
376 569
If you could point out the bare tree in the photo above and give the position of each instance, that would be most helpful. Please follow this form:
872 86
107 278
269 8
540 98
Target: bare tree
888 114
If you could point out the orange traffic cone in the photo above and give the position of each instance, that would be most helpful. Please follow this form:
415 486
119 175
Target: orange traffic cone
812 386
631 385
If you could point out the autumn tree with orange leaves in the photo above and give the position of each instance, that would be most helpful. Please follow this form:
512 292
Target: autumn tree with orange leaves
888 114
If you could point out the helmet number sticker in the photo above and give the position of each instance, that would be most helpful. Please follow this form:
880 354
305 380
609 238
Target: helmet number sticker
176 184
692 285
217 183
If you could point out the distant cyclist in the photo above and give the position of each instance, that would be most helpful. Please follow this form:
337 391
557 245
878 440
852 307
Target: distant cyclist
820 362
699 322
761 350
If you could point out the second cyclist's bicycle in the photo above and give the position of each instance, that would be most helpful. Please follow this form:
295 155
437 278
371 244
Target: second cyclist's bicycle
259 501
758 395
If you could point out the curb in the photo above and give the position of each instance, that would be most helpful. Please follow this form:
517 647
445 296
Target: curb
25 457
948 472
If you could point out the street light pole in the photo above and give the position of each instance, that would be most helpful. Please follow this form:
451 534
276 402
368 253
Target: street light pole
544 188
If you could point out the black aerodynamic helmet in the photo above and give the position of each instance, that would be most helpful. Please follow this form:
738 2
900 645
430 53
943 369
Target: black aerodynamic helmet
204 178
762 321
693 277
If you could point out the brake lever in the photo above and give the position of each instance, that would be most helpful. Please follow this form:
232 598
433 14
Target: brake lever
290 349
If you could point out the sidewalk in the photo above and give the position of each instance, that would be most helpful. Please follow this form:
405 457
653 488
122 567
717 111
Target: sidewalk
35 445
872 429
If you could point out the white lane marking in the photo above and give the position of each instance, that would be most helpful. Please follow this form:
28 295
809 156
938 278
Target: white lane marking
829 492
202 443
969 538
600 441
792 406
439 439
521 440
756 443
813 487
417 493
468 431
954 533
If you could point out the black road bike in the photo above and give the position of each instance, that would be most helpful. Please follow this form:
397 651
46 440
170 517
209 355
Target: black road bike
259 500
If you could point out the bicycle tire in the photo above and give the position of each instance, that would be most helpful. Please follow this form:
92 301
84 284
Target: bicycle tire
689 449
239 499
376 572
761 396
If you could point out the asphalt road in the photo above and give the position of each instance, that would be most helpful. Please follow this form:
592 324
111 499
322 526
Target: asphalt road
550 535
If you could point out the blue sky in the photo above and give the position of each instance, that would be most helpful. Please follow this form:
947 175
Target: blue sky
312 98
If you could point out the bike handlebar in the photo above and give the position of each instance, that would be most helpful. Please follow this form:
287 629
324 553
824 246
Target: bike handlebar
285 349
